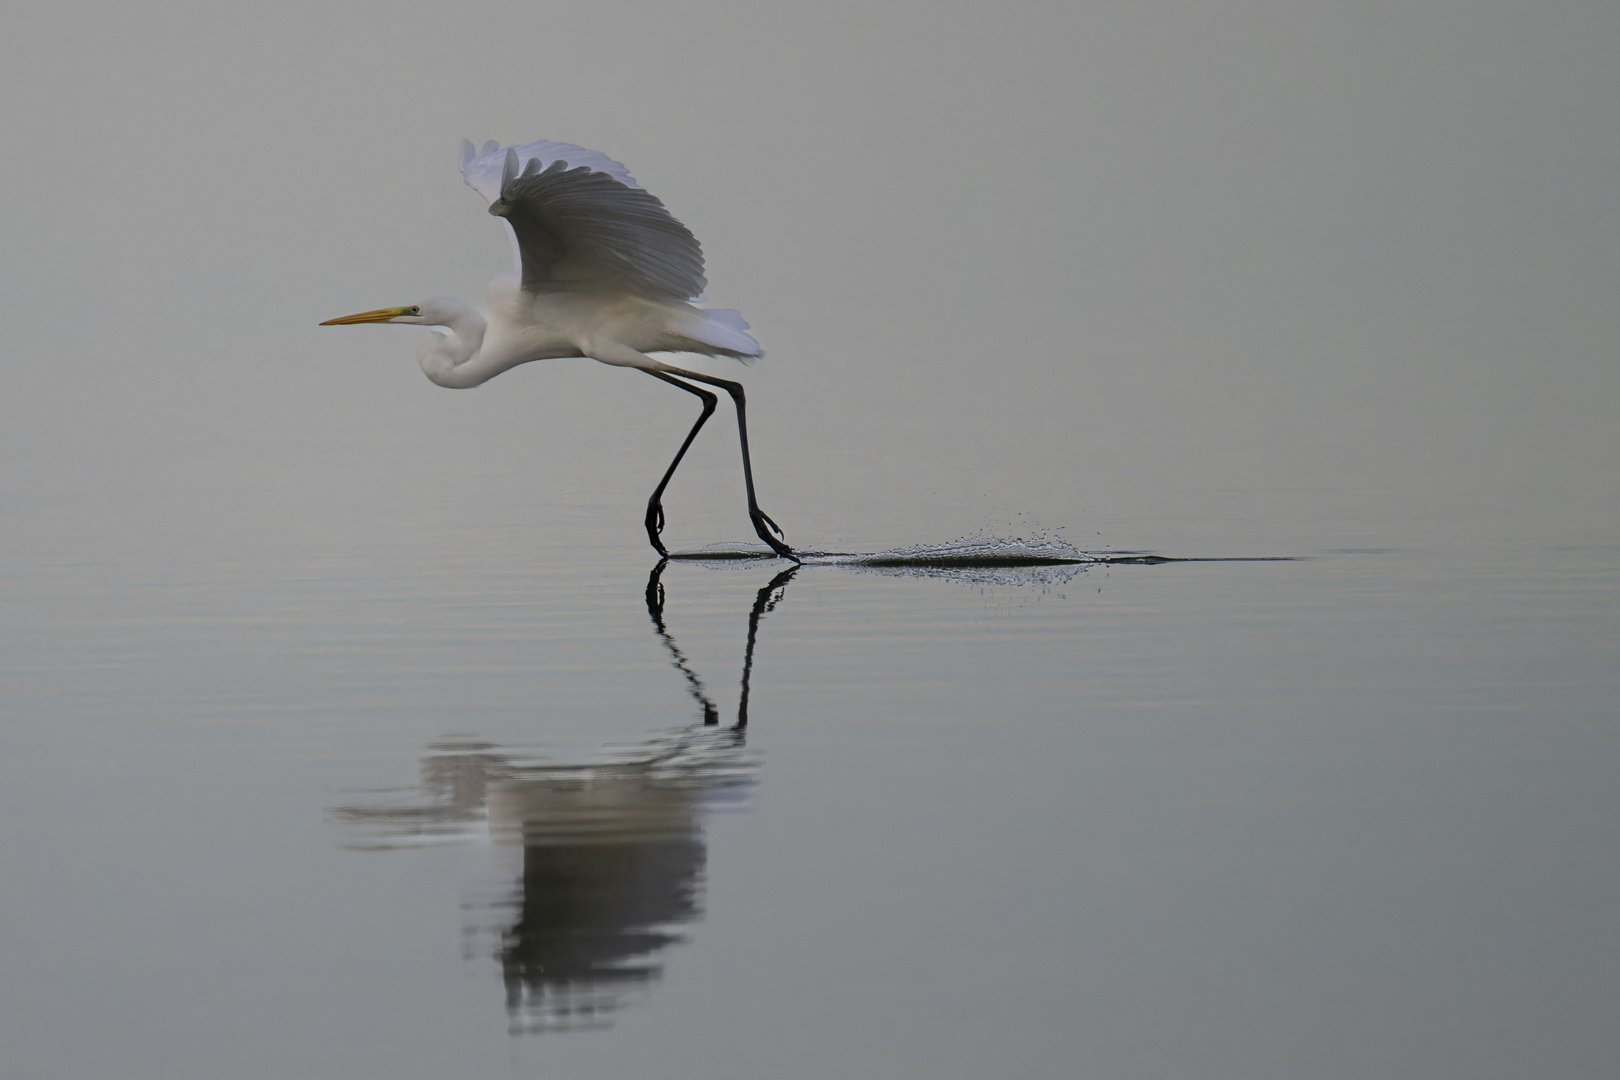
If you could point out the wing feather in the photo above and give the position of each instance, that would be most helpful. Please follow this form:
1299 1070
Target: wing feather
582 229
579 220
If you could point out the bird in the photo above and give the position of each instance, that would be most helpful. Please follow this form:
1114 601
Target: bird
602 270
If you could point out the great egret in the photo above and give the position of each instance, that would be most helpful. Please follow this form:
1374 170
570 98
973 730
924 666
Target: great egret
603 270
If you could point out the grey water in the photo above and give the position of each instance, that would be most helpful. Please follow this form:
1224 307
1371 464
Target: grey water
385 813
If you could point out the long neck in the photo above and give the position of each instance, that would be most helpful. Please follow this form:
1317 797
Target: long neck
447 358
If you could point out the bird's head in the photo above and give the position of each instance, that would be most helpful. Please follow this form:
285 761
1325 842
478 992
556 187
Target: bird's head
457 335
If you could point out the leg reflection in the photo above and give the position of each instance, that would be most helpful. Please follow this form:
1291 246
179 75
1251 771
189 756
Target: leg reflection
765 601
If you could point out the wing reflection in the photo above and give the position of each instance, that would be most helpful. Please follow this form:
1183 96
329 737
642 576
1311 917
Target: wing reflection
613 860
613 851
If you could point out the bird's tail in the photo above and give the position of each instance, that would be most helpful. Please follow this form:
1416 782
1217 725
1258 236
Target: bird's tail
722 331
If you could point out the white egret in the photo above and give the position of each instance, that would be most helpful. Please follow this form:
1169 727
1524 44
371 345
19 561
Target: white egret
603 271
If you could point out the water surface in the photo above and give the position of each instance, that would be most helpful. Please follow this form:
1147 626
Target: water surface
1346 814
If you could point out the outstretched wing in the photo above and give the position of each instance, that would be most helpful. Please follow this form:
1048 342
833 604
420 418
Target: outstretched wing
579 220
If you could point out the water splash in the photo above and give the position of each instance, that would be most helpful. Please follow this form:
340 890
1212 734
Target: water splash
981 551
984 560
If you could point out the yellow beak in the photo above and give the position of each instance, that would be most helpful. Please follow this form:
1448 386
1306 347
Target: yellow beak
380 315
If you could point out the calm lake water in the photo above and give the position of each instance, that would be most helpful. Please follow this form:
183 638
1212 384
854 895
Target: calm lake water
447 806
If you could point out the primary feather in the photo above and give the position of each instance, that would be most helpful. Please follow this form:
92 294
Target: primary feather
482 168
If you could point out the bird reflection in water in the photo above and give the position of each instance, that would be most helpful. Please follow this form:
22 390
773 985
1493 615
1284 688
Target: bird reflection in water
613 851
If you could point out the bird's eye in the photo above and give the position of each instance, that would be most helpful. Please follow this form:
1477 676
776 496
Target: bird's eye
414 310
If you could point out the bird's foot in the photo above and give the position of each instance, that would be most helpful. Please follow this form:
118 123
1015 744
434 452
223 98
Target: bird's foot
775 528
764 526
655 526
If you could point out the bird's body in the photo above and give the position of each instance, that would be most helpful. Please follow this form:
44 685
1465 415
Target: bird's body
604 326
603 271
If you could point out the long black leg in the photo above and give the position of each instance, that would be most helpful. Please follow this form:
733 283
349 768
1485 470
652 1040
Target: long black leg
655 504
763 525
